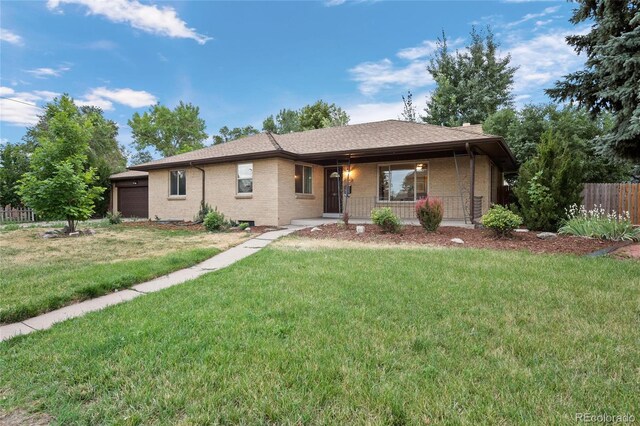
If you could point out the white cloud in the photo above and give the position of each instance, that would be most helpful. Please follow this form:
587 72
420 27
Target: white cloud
10 37
376 76
543 59
160 20
334 2
530 16
104 98
48 72
378 111
20 108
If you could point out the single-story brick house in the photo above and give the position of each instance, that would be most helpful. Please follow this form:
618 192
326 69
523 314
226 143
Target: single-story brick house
270 179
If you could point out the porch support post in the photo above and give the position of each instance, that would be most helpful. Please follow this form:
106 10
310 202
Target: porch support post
472 181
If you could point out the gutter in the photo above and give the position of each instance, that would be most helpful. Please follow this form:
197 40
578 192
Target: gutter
203 174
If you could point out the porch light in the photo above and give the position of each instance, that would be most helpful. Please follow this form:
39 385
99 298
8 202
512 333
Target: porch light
419 167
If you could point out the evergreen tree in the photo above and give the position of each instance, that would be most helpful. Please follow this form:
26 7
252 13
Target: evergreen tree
610 80
550 182
470 85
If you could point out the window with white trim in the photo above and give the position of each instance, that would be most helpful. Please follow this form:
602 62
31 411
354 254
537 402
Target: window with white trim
303 179
402 182
178 185
245 178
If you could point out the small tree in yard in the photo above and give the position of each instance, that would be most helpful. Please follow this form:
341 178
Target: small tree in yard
549 183
58 186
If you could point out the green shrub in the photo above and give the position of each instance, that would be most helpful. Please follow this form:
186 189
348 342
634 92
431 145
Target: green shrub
597 223
243 225
205 209
501 220
386 219
550 182
429 212
214 221
114 218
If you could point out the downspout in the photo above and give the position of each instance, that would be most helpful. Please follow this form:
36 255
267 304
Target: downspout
203 173
472 177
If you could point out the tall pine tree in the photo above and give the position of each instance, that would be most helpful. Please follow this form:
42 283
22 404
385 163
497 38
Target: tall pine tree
610 80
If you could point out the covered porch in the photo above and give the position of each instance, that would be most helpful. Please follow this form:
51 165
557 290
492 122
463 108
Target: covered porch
465 178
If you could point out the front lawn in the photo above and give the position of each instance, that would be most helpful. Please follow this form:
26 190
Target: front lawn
39 275
358 336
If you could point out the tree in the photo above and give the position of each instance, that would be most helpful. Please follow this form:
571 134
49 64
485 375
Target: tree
550 182
321 115
169 132
105 155
470 85
409 111
611 75
14 162
523 130
140 157
286 121
58 184
226 134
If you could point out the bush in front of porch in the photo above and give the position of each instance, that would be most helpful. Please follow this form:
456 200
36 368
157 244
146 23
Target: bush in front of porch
430 211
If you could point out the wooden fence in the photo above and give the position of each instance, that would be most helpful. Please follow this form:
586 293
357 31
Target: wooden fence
618 197
10 214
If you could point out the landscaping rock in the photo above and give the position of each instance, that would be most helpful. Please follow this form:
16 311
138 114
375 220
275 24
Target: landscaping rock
359 229
457 241
47 236
315 229
520 230
547 235
74 234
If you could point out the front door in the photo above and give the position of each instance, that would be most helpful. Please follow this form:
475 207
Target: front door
332 190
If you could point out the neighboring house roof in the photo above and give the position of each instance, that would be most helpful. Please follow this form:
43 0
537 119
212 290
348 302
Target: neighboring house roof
129 174
390 136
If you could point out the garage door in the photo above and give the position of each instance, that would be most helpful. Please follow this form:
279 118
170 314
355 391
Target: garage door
134 202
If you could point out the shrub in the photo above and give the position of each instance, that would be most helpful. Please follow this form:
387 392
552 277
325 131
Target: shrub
205 209
597 224
429 212
501 220
550 182
243 225
386 219
114 218
214 220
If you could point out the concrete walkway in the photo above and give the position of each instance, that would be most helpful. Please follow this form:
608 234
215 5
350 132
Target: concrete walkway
222 260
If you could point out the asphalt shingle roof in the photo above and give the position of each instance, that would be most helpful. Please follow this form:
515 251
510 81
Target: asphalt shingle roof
351 138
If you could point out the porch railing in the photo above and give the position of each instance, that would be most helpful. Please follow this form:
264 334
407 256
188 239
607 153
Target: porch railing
454 209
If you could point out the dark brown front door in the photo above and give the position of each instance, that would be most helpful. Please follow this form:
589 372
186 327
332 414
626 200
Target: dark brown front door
133 201
332 190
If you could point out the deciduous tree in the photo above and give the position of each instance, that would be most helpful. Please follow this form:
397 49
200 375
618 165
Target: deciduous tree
58 184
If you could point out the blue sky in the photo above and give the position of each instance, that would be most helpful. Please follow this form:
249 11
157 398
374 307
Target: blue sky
241 61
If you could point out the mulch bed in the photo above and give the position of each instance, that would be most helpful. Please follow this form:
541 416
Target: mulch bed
190 226
476 238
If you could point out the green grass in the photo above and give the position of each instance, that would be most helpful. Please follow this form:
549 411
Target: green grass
38 275
379 336
52 286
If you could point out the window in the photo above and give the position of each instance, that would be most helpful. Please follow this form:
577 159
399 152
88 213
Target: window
178 185
304 179
403 182
245 178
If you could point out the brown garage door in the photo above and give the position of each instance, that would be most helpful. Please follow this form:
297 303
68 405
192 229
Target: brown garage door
134 202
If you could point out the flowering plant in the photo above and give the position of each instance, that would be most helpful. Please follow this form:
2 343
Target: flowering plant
597 223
